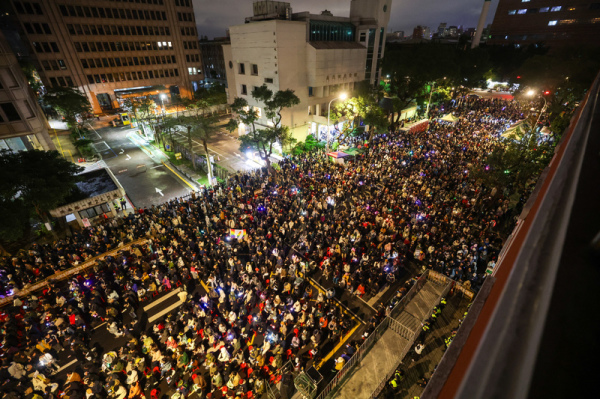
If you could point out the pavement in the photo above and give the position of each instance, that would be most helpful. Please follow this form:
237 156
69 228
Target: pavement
414 366
136 164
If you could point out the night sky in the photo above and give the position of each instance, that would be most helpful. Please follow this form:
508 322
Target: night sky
214 16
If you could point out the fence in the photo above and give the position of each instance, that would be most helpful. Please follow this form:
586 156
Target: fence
272 390
405 332
375 336
395 325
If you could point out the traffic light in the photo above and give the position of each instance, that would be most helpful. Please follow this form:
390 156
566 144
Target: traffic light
546 92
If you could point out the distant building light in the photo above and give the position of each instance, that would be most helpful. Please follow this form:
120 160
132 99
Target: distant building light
552 23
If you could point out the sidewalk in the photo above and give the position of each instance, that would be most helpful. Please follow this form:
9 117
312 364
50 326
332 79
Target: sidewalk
435 347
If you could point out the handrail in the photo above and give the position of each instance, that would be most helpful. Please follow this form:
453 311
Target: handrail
375 335
535 250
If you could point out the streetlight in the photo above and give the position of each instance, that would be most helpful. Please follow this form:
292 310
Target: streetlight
531 93
162 100
342 97
431 94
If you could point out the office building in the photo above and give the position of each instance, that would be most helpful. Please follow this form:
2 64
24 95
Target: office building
421 32
23 126
213 61
441 30
114 49
317 56
552 22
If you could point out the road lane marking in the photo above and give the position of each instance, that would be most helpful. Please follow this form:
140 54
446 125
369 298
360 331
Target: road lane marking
164 298
177 174
72 362
97 327
157 166
164 312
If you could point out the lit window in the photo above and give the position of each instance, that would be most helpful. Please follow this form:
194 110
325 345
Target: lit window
522 11
159 44
595 20
567 21
164 44
572 9
557 8
170 44
544 9
525 1
512 12
190 71
552 23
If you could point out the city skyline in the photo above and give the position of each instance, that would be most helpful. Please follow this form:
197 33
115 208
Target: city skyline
406 14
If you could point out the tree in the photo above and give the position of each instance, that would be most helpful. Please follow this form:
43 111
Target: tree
263 140
514 163
70 103
32 183
361 109
203 128
167 126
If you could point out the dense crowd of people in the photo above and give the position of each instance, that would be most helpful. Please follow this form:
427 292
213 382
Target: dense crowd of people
407 198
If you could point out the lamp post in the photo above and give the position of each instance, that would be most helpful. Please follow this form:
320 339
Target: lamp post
342 97
429 102
531 93
162 100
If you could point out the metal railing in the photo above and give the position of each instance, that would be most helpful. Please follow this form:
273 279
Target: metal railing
375 336
272 390
408 334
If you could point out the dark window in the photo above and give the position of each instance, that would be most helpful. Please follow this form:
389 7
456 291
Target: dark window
93 29
46 28
85 47
254 69
78 29
38 28
46 65
54 47
121 31
105 62
53 82
87 12
101 12
118 61
100 30
61 64
37 47
270 80
176 72
95 12
20 9
93 47
69 81
10 111
54 65
46 47
244 90
79 11
61 81
77 47
84 63
28 28
97 78
90 79
38 9
28 8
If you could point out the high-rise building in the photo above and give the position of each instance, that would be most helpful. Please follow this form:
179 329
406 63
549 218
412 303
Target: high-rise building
552 22
213 61
114 49
421 32
317 56
441 31
23 126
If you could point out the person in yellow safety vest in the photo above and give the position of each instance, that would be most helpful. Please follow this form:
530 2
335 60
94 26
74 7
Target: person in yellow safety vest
426 327
443 302
339 363
394 383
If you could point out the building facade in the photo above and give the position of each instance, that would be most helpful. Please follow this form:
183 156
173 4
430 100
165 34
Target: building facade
111 49
23 126
317 56
552 22
213 61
